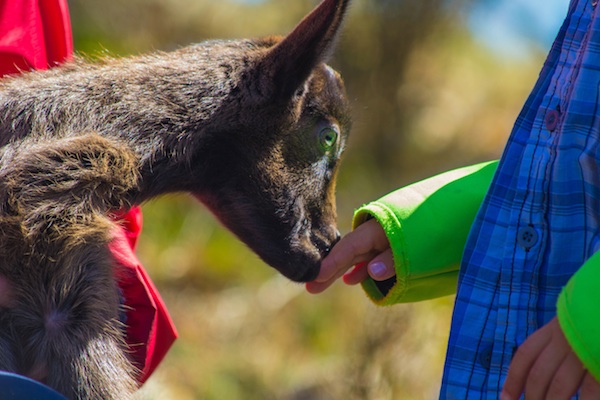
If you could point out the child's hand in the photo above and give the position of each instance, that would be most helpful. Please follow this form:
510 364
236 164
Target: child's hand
545 367
366 248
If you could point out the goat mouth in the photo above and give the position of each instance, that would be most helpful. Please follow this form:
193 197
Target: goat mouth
300 262
305 263
302 271
309 275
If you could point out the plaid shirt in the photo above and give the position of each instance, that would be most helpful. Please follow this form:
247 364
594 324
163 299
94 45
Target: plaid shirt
540 220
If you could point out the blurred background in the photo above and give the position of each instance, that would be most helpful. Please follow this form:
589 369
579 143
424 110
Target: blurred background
435 84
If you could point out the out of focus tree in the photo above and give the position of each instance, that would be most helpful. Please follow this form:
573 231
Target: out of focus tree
375 54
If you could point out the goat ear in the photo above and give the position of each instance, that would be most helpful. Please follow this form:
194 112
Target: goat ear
290 62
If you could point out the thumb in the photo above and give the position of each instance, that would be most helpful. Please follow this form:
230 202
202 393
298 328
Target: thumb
382 266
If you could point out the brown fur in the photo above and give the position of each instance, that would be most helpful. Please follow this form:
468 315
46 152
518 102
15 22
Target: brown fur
61 326
235 123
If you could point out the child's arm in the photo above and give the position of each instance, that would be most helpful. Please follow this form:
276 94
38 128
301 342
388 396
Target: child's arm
563 355
425 227
545 367
578 312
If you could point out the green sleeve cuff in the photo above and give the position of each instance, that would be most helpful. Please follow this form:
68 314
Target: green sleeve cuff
578 314
427 225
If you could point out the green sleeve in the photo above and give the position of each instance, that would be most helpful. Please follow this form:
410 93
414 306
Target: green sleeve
427 224
578 312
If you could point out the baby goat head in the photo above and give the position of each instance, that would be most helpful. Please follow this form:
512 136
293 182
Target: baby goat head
252 128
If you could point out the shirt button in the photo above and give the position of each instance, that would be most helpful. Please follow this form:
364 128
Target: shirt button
527 237
485 357
551 120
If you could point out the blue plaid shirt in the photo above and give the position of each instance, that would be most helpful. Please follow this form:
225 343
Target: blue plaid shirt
540 220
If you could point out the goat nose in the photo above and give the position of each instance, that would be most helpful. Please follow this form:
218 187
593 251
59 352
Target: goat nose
337 238
325 239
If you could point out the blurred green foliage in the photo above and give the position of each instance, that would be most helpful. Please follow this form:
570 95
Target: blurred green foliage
426 98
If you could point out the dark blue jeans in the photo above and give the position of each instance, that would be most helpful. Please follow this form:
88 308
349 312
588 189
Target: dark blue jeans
17 387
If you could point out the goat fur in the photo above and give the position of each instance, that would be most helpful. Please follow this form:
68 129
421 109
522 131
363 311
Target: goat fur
235 123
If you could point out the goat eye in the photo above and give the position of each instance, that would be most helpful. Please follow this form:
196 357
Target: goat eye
327 138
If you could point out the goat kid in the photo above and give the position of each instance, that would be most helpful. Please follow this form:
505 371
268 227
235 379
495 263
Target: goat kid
252 128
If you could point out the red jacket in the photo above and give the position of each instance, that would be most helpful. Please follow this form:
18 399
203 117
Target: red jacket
36 34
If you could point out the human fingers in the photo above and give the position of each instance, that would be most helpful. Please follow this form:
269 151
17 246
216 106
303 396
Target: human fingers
567 379
315 287
590 388
357 274
542 372
379 268
362 244
382 267
548 363
522 362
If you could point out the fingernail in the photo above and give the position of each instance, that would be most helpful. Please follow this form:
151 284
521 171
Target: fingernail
378 270
504 396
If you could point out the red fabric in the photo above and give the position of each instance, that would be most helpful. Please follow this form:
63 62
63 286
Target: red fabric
36 34
150 330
